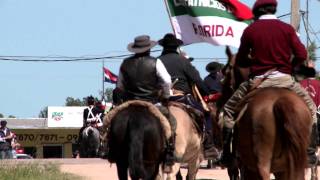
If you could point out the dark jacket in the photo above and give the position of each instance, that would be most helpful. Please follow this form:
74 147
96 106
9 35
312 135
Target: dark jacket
180 68
140 80
95 111
213 82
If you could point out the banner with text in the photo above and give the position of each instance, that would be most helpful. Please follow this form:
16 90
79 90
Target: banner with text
205 21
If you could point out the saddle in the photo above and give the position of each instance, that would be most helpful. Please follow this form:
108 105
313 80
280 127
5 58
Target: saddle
196 115
151 107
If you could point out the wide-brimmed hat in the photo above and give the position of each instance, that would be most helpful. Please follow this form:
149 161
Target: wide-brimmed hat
261 3
170 40
214 67
141 44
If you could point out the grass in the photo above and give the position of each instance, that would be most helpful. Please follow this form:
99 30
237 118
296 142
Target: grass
33 171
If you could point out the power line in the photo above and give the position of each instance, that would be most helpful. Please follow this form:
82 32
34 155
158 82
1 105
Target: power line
86 59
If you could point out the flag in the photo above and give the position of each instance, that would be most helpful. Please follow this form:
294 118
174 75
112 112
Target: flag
208 21
109 76
238 9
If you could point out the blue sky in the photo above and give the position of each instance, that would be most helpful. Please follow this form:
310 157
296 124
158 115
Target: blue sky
81 28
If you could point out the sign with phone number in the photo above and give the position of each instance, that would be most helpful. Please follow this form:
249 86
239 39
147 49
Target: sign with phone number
47 137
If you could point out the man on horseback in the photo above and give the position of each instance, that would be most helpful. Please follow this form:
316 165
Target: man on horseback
185 75
90 115
266 48
143 77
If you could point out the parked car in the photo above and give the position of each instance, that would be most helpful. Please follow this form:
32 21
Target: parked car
23 156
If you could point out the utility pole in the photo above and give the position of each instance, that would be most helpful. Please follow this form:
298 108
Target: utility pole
307 22
295 14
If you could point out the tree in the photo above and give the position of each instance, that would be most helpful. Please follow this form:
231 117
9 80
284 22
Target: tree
1 115
108 94
11 116
70 101
44 113
312 51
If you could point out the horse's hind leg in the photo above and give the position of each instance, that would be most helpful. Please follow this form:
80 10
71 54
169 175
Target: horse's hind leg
122 168
247 174
179 175
175 170
193 168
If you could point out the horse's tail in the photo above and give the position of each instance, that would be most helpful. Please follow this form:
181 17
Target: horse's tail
90 132
135 158
293 131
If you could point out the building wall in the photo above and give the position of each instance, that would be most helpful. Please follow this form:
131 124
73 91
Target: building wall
40 138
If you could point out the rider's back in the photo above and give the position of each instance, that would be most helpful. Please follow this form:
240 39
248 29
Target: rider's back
140 79
272 43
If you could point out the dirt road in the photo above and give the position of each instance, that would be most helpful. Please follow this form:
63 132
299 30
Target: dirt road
97 169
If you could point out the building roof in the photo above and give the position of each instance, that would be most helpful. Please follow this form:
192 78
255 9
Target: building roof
30 123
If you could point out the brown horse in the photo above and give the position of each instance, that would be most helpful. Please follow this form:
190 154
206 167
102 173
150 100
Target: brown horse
272 132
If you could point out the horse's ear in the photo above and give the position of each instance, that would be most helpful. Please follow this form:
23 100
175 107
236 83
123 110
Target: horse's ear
228 51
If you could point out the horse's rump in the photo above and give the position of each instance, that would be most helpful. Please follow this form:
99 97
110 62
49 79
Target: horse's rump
274 132
90 143
136 142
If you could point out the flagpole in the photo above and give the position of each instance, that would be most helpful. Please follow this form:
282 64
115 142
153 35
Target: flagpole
102 80
168 11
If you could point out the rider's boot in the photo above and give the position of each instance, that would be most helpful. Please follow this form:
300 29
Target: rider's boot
209 150
312 149
226 156
170 149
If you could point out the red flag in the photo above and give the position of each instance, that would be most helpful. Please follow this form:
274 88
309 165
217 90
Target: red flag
238 9
109 76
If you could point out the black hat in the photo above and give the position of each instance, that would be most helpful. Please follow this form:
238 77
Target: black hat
308 72
170 40
141 44
90 100
3 123
214 67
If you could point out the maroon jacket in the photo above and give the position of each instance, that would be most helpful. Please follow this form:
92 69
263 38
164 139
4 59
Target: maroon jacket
271 43
312 86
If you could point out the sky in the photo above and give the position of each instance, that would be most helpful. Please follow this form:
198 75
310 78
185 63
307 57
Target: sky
84 28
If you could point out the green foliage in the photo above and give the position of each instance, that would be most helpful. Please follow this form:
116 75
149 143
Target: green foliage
34 171
312 51
11 116
108 94
1 115
70 101
44 113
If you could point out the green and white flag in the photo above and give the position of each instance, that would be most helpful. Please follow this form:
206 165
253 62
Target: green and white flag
208 21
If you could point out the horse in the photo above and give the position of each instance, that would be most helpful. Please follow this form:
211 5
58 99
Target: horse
272 131
137 136
90 144
188 146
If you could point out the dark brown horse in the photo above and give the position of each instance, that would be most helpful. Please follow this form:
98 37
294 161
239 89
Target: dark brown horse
272 133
